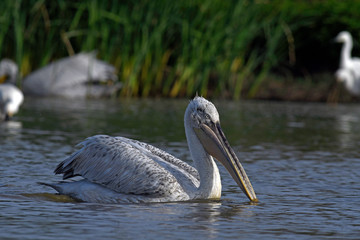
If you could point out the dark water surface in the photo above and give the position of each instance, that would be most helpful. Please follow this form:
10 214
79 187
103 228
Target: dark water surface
303 161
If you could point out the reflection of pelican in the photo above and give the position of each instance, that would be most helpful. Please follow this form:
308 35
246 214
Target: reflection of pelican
117 169
349 71
78 76
10 96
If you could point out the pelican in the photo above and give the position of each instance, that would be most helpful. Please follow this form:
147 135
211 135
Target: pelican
11 97
71 77
118 169
349 71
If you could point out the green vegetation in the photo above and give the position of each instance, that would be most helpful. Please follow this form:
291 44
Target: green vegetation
179 48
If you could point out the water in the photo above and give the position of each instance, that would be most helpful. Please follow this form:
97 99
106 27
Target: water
303 161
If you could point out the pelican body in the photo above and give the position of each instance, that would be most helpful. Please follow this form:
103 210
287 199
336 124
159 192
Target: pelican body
349 71
72 77
77 76
118 169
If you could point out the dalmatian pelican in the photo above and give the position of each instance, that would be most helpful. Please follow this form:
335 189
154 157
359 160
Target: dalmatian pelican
118 169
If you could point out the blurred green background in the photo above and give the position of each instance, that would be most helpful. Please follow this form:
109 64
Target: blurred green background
216 48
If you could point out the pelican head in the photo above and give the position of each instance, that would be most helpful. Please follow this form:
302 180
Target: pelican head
202 118
8 71
343 37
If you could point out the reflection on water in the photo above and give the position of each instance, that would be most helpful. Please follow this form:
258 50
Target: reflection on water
347 124
10 129
303 161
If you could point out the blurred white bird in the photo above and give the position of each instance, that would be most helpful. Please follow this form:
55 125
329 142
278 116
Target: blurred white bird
349 71
10 96
78 76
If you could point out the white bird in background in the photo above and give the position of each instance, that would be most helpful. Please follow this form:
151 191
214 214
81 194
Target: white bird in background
349 71
10 96
72 77
118 169
78 76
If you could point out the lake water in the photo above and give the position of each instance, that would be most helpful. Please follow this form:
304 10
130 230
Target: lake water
303 161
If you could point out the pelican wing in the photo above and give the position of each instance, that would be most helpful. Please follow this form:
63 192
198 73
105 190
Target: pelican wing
167 159
127 166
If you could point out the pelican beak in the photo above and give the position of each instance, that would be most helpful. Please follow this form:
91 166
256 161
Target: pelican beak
215 143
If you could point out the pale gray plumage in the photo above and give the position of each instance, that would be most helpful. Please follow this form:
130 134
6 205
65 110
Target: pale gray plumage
118 163
72 77
349 71
117 169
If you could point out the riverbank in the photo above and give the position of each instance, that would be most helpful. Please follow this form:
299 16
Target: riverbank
177 49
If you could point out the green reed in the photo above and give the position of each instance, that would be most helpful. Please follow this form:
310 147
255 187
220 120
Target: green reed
160 48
